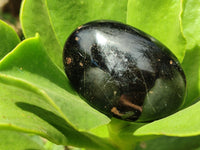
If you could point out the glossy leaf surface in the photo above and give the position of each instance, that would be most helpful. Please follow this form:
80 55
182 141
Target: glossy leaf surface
19 141
28 102
161 19
8 39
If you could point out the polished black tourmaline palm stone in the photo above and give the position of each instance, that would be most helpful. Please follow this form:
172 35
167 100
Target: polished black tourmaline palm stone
123 72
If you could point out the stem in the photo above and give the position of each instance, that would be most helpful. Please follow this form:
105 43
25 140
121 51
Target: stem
123 144
121 134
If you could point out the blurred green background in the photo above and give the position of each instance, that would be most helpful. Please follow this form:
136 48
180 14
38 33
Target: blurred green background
9 12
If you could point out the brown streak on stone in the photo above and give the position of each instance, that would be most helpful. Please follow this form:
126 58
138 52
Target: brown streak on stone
116 112
128 103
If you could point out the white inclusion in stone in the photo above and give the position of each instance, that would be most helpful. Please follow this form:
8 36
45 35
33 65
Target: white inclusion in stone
100 39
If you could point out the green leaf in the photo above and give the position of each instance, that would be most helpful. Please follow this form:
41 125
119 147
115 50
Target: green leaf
191 66
15 93
34 19
55 20
51 146
161 19
191 22
30 62
101 131
170 143
67 15
35 96
183 123
8 39
25 141
18 141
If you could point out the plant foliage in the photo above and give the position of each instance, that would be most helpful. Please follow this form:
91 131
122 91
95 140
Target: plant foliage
35 94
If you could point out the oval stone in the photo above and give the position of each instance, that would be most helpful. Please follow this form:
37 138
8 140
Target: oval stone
123 72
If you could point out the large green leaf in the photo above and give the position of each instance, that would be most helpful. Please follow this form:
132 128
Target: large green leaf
55 20
160 19
34 18
191 22
191 66
8 39
170 143
35 96
75 13
191 63
30 62
12 140
16 93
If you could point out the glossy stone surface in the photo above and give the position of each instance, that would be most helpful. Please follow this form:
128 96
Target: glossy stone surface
123 72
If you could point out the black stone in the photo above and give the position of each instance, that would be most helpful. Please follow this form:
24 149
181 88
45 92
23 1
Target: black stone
123 72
